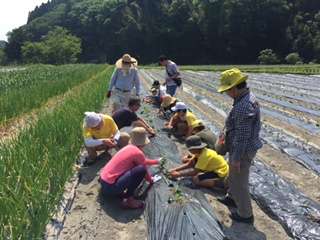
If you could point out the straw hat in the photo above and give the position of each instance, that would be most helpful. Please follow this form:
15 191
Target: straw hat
139 136
92 119
194 142
167 100
231 78
126 58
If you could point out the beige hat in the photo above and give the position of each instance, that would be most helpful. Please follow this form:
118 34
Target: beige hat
139 136
167 100
126 58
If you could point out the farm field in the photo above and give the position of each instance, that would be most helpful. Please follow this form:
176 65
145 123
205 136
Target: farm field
43 106
284 181
39 159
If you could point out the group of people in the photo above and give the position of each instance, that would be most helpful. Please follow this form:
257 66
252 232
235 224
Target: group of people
204 162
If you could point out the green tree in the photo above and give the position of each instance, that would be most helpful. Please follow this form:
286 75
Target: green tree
57 47
267 56
3 57
293 58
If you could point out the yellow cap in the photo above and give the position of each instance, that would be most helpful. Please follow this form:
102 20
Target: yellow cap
231 78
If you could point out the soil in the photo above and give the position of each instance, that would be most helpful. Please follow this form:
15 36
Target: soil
92 217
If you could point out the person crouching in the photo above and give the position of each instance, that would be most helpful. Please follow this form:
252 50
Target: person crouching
126 170
100 133
205 166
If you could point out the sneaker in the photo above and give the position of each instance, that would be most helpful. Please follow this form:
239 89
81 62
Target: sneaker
236 217
228 201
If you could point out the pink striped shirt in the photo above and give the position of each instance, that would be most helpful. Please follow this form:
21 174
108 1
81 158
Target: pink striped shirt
124 160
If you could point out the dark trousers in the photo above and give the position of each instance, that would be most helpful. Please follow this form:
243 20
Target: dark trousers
126 183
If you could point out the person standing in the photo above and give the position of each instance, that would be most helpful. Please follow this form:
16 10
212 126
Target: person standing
173 78
241 141
124 78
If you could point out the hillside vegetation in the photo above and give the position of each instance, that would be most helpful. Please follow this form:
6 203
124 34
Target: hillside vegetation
192 31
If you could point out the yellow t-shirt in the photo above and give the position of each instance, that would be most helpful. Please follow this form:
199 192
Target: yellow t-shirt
190 117
108 129
210 161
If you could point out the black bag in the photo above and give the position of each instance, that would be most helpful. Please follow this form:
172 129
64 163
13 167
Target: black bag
178 81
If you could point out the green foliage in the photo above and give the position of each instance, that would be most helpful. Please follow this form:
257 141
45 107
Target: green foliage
189 31
267 56
35 166
293 58
57 47
3 57
24 90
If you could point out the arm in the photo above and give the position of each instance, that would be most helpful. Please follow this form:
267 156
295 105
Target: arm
90 142
146 126
184 166
113 79
137 82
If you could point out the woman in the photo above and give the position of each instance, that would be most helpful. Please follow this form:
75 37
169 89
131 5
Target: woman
126 170
124 78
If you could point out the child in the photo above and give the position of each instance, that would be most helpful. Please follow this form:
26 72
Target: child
205 166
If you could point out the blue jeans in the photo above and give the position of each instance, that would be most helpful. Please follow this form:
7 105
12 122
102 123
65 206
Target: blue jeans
129 181
171 90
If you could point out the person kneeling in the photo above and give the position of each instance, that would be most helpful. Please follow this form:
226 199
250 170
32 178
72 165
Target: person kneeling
126 170
207 168
100 133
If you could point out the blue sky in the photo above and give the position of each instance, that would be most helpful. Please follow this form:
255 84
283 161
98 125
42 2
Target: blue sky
14 13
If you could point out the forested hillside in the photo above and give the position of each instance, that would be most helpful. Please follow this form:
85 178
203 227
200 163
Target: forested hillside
191 31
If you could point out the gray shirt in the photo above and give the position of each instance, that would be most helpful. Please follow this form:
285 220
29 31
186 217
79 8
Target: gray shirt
125 82
172 69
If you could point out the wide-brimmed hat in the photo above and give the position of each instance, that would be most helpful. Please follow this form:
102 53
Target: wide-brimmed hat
139 136
167 100
92 119
179 106
231 78
197 123
153 89
126 58
194 142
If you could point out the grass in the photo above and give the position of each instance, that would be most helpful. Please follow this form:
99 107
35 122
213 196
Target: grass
35 166
24 90
305 69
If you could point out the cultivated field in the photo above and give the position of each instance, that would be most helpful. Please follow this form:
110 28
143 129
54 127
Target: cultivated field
40 121
41 110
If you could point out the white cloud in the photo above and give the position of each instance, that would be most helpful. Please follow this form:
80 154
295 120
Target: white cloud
14 13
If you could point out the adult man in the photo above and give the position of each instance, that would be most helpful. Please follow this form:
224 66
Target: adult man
172 74
100 133
126 117
242 141
124 78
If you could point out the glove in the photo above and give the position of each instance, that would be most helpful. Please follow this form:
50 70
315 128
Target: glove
109 94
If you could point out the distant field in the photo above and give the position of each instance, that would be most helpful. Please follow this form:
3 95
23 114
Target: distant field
305 69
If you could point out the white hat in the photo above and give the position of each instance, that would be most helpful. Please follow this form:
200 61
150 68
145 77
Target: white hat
179 106
92 119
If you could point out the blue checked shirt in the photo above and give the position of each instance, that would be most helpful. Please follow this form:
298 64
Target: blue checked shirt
243 126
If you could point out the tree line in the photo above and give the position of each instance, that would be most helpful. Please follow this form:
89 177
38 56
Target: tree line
189 31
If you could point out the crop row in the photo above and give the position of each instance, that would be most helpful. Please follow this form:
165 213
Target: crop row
35 166
22 91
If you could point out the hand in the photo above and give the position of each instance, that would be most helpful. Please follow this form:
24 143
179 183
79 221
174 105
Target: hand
109 142
187 158
152 132
235 165
174 174
109 94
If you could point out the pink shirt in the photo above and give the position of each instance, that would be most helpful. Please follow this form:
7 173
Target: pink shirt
124 160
